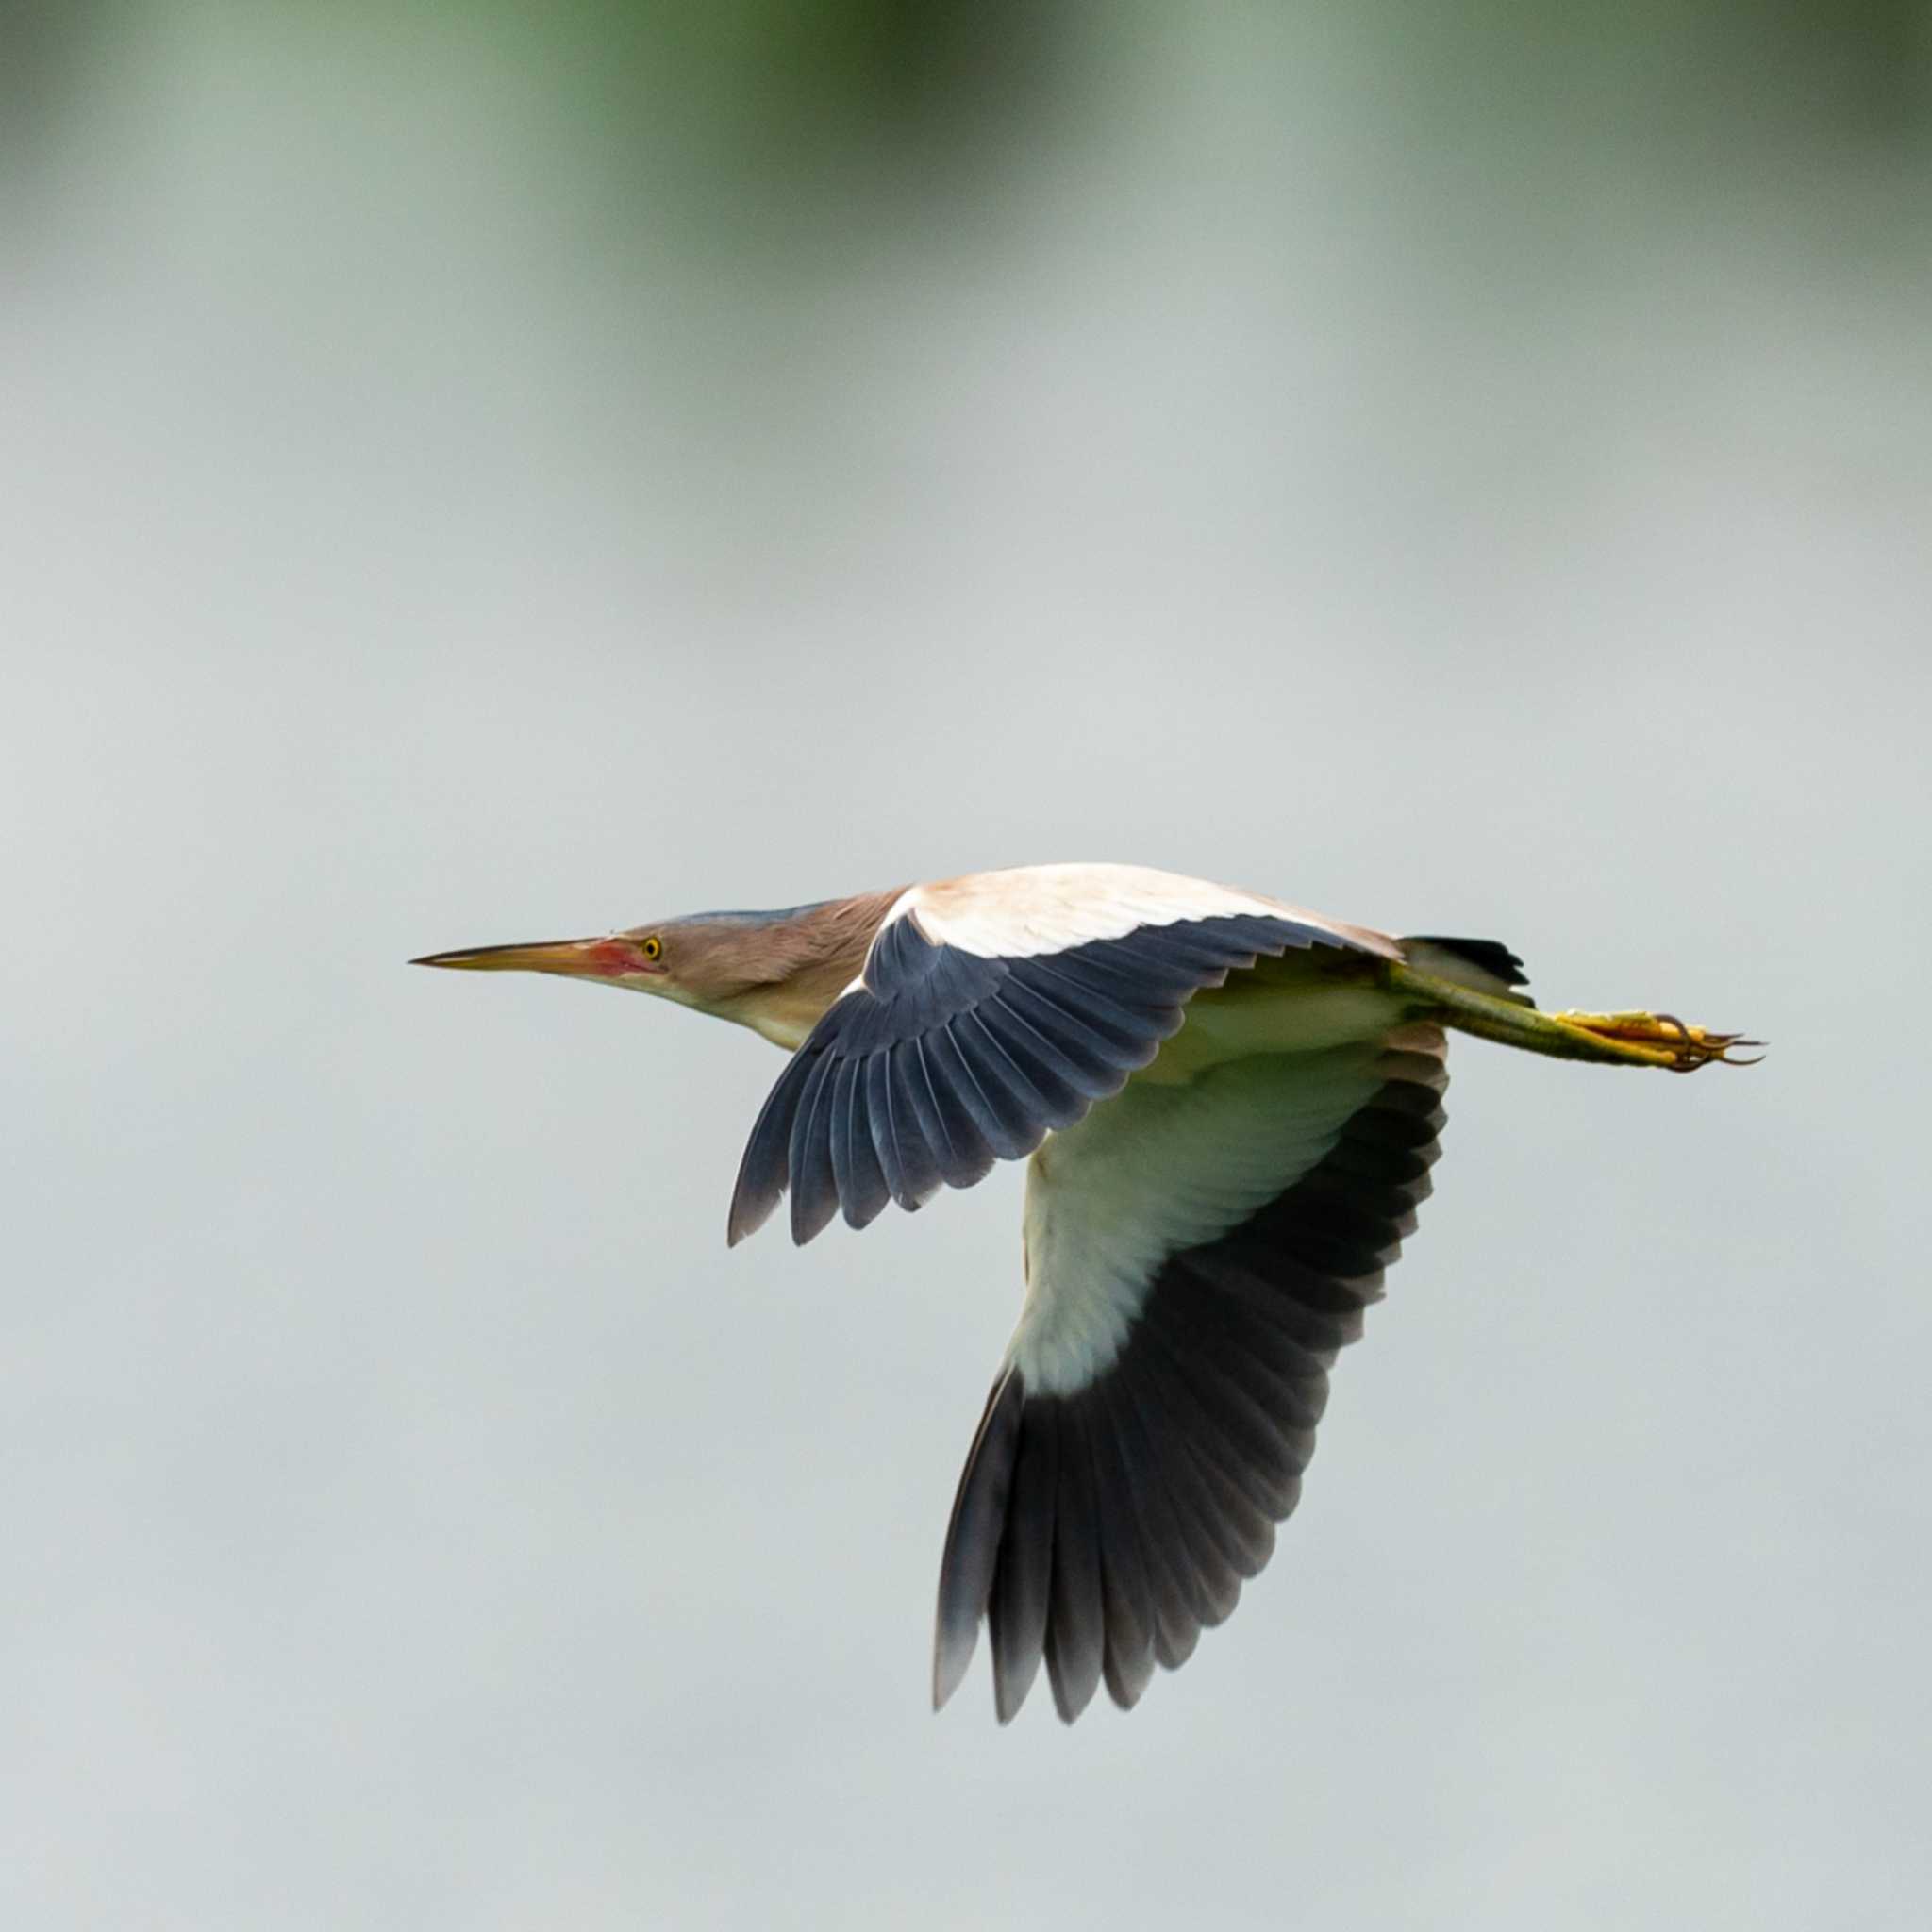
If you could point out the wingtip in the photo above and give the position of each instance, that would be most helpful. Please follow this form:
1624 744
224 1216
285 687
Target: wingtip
1007 1696
809 1220
951 1655
749 1212
1068 1710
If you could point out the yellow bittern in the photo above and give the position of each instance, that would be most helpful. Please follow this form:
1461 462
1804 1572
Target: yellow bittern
1229 1109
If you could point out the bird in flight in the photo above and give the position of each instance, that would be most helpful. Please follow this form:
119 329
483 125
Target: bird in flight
1228 1108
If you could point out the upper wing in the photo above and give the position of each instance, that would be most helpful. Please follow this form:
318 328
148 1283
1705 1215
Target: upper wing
992 1009
1196 1255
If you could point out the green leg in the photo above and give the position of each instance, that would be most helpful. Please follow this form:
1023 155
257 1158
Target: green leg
1615 1040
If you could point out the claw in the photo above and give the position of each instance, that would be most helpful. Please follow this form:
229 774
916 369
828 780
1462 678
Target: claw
1666 1040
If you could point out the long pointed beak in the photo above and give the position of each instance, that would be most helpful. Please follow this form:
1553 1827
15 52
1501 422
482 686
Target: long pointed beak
598 959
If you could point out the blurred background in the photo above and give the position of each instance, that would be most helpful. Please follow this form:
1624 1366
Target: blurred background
481 473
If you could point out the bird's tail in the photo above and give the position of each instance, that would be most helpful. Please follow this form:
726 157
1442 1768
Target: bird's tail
1484 965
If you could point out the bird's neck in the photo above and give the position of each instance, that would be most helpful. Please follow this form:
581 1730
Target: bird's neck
807 964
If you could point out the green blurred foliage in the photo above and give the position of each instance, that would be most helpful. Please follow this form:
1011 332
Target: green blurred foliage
781 134
759 83
784 84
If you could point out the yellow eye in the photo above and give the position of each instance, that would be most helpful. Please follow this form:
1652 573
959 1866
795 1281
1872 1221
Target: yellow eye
653 947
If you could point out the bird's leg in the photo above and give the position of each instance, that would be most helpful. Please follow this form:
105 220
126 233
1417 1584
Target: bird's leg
1624 1040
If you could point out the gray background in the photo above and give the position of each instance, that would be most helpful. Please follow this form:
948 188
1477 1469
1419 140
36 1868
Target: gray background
460 482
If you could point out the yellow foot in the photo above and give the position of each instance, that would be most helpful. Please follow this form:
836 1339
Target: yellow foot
1662 1040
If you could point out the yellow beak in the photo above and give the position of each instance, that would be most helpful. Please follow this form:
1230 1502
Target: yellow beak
598 959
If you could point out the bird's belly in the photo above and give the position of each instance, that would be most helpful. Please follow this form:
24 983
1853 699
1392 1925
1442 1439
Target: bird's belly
1267 1014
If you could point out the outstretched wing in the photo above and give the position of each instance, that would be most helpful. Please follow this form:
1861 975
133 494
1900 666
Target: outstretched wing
993 1010
1196 1256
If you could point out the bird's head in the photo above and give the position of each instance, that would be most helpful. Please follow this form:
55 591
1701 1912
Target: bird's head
773 971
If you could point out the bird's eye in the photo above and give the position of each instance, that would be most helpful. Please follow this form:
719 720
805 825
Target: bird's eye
652 948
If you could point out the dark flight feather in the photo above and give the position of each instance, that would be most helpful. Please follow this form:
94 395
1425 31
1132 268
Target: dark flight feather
1171 1467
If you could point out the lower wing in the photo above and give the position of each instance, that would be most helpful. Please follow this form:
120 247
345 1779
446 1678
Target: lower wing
1196 1256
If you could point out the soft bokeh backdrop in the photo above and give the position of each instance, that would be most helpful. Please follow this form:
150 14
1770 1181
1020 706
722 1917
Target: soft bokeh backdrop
482 472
